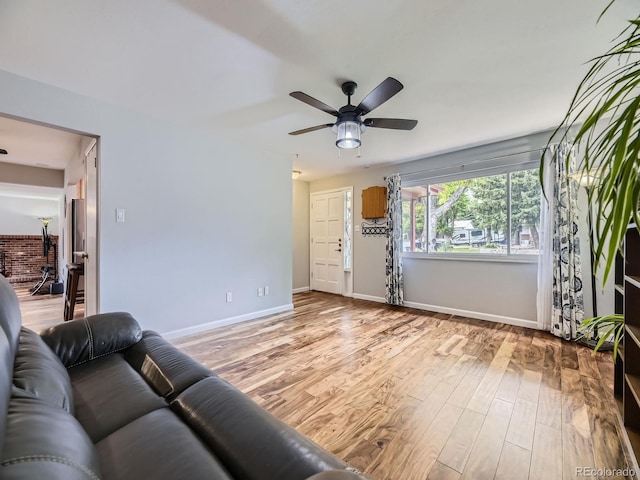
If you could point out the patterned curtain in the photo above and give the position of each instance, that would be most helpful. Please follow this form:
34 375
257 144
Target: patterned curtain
394 285
563 269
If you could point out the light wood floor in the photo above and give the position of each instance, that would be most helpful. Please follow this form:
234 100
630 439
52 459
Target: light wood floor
406 394
42 311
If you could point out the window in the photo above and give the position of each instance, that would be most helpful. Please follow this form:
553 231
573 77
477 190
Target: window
491 215
348 220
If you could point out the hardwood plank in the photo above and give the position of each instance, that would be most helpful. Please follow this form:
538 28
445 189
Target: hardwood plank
362 454
458 447
552 367
442 472
403 446
574 409
570 356
457 372
423 455
587 362
530 386
450 344
607 448
485 455
484 394
510 383
550 407
522 426
514 463
546 456
465 390
577 451
395 421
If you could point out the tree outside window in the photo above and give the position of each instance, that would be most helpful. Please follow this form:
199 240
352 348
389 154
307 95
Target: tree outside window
496 214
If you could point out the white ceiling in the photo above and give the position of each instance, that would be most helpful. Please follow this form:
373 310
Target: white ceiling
35 145
474 71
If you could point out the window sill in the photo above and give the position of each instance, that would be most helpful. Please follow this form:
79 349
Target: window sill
472 257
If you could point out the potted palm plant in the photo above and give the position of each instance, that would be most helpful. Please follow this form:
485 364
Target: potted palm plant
604 119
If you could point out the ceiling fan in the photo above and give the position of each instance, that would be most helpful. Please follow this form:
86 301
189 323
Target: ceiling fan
349 124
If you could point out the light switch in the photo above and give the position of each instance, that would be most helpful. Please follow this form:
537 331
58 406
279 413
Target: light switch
120 215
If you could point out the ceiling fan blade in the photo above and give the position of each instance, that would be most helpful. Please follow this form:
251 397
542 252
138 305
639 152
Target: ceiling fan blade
303 97
395 123
311 129
383 92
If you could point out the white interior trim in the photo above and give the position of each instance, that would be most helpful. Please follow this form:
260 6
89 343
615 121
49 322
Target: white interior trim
518 322
301 289
345 289
183 332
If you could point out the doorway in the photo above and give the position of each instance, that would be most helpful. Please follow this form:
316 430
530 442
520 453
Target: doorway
331 250
51 159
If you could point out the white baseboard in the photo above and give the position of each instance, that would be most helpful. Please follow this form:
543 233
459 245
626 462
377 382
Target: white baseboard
183 332
518 322
370 298
300 290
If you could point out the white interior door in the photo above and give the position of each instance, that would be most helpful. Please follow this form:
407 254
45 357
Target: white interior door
91 233
327 229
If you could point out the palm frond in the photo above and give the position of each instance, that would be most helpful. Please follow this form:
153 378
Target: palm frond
604 119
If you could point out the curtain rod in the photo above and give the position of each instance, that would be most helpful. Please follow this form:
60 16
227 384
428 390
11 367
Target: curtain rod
474 162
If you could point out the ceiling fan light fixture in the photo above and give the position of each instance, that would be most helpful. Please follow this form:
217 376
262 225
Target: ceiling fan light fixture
348 134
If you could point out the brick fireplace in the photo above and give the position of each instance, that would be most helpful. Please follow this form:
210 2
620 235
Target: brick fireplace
23 257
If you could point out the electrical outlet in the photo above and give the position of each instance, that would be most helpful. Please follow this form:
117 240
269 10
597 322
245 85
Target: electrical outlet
260 291
266 291
229 297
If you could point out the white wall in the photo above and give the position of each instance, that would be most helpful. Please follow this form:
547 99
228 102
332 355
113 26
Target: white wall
26 175
19 215
500 291
300 192
192 233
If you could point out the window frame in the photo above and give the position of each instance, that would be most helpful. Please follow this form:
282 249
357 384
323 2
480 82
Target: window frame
459 173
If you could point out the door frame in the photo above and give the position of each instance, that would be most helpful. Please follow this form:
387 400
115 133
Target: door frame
95 139
347 274
92 274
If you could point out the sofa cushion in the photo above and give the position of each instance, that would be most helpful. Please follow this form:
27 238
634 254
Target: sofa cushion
108 394
235 428
45 441
39 372
79 341
10 321
166 368
159 446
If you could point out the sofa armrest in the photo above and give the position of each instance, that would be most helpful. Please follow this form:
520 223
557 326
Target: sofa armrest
338 475
79 341
235 428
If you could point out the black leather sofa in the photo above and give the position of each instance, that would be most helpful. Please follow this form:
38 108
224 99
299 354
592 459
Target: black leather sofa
99 398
